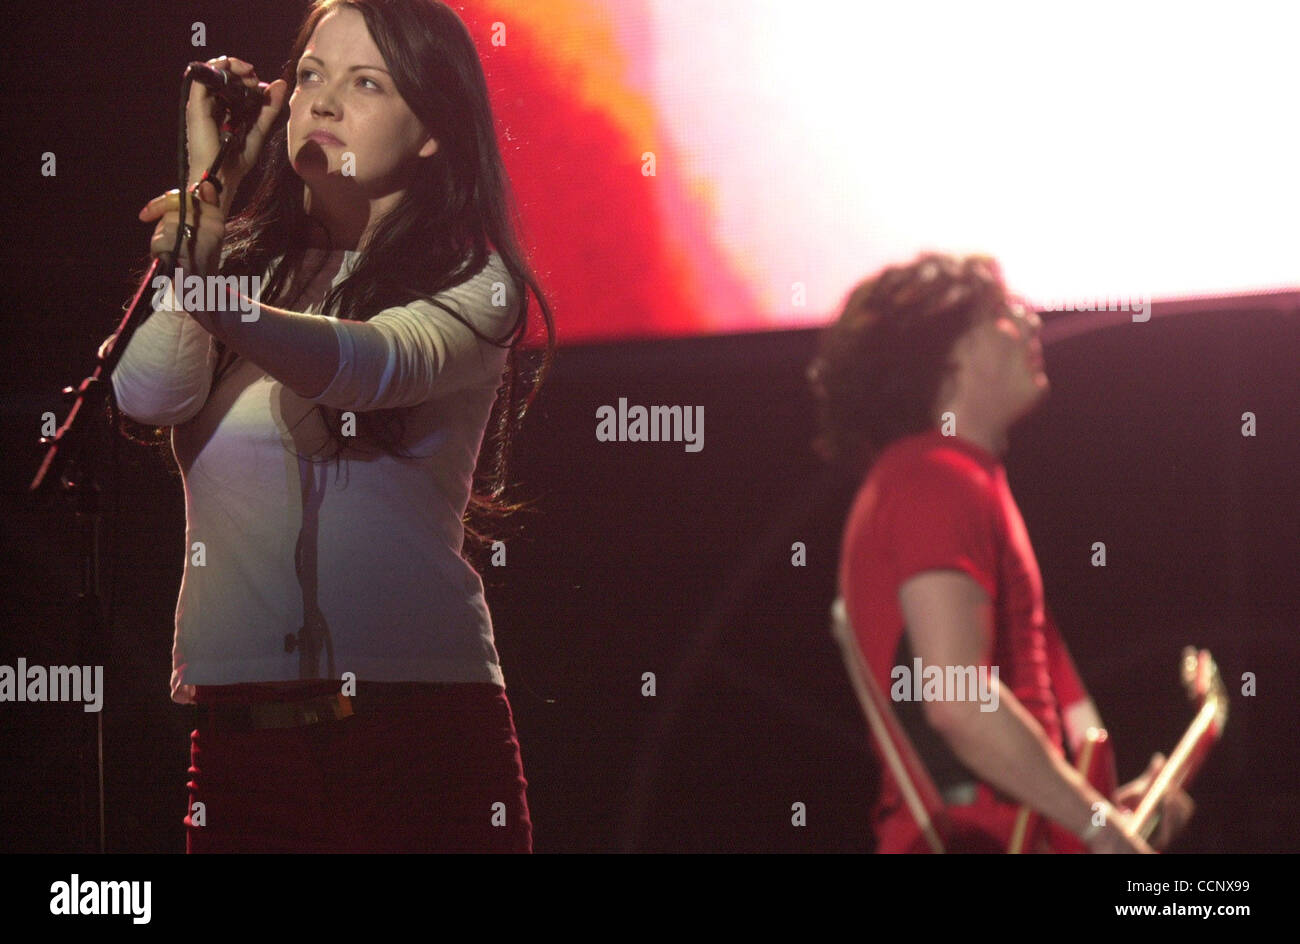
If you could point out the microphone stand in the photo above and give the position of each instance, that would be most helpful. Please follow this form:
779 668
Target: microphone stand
72 459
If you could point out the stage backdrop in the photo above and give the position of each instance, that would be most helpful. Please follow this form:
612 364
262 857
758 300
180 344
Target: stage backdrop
731 165
646 558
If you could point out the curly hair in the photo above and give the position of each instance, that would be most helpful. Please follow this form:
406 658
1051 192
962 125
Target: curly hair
882 363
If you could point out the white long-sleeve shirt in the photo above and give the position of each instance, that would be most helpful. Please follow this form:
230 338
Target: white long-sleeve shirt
368 554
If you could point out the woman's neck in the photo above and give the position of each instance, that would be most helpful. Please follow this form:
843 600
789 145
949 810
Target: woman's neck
347 217
342 221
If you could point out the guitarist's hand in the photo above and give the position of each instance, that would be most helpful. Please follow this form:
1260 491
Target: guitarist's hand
1175 809
1117 836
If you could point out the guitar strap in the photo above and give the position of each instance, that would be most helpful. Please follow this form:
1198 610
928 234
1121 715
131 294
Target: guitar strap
920 794
1077 710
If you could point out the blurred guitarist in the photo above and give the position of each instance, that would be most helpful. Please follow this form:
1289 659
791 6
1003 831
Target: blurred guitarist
918 383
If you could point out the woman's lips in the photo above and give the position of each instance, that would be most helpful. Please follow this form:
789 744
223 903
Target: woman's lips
324 137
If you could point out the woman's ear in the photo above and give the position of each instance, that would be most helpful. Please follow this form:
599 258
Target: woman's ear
430 147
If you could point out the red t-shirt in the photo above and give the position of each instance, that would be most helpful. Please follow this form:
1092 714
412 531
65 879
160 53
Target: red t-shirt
935 502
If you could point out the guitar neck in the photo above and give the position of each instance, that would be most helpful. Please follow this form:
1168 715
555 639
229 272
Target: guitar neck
1183 762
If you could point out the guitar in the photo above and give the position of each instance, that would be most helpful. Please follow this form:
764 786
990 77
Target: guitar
992 822
1201 679
1096 761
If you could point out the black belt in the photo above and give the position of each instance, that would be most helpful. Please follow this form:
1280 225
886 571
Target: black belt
315 710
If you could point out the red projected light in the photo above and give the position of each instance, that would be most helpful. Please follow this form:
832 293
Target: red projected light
736 165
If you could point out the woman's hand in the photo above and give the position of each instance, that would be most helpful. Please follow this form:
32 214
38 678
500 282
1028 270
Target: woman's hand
203 116
201 254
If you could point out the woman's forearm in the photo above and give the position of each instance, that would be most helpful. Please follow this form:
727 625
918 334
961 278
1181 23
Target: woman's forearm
299 350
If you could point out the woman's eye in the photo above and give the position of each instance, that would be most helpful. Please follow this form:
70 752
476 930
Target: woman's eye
304 74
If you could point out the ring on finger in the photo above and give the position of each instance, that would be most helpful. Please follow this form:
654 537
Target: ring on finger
173 202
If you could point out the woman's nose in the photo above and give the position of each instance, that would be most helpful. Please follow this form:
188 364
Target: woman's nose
324 104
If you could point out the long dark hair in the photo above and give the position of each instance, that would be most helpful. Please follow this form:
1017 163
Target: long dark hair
882 363
455 212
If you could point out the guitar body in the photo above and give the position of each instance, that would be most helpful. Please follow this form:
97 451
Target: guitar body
911 816
984 826
995 823
1096 761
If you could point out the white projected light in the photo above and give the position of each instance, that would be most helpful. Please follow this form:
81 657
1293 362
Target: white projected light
1107 150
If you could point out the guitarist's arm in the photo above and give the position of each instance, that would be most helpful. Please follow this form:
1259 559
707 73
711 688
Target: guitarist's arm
949 622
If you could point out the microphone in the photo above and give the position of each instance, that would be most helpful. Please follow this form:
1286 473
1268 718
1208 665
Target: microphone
245 103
